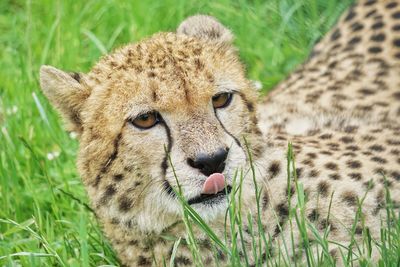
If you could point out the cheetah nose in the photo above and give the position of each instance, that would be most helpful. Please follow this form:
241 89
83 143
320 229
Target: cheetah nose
214 184
209 164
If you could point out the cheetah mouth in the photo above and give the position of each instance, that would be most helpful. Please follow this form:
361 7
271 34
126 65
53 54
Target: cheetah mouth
207 199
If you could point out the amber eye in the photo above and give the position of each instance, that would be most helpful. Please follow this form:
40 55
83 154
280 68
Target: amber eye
147 120
222 100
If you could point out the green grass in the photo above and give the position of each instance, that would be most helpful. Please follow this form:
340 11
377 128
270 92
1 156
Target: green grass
44 218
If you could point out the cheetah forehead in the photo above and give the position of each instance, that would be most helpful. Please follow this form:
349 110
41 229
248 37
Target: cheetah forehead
170 71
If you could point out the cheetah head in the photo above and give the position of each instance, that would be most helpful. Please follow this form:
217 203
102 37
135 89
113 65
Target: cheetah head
179 98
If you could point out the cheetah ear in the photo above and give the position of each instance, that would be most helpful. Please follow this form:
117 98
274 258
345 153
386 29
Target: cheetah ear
67 92
206 27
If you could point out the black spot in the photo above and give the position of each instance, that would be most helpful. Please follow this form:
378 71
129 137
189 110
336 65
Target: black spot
396 27
325 136
347 139
332 64
354 164
334 253
370 13
110 191
396 15
308 162
358 230
290 192
312 155
393 142
115 221
143 261
370 2
181 260
220 255
133 242
375 49
377 25
354 40
350 198
350 129
314 173
274 169
299 172
349 154
334 176
380 171
199 64
396 95
118 177
265 201
282 209
350 15
125 204
335 35
392 5
395 152
355 175
396 42
369 184
356 26
380 202
151 74
396 175
324 223
323 188
379 160
313 216
277 230
331 166
379 37
352 148
377 148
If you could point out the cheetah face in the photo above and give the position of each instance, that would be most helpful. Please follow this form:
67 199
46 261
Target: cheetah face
163 115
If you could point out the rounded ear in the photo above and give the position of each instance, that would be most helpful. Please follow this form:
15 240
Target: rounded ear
67 92
205 27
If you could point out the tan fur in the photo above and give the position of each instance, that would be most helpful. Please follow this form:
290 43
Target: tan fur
342 148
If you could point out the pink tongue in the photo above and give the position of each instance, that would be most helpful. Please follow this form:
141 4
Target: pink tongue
214 184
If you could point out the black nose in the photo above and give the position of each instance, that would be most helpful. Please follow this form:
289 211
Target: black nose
209 164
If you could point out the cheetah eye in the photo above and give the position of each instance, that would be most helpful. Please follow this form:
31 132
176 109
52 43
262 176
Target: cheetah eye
147 120
222 100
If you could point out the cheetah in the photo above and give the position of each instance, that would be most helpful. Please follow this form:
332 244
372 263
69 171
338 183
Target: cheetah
177 108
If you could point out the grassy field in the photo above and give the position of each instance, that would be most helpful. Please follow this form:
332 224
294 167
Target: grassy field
44 218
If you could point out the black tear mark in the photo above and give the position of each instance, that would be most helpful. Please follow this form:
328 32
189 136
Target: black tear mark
231 135
164 163
109 161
